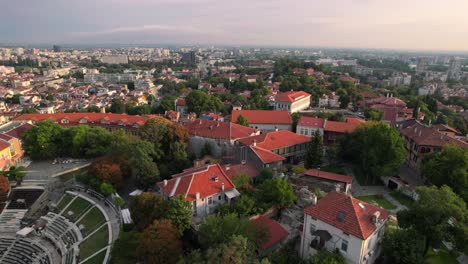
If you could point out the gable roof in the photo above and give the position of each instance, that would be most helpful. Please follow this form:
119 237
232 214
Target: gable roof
18 131
219 130
276 232
75 118
291 96
340 127
328 176
429 136
356 215
275 140
308 121
206 181
263 116
266 156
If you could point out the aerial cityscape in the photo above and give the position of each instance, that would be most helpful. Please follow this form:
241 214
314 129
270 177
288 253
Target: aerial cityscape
266 132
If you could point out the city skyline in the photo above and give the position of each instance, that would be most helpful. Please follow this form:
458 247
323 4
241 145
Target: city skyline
420 25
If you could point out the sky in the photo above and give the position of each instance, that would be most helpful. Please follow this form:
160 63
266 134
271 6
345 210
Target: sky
380 24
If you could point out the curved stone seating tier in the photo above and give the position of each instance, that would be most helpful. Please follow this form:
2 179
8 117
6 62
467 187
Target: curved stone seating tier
23 251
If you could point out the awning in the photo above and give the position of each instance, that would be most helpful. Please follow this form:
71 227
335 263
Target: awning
232 193
25 231
126 217
323 234
136 192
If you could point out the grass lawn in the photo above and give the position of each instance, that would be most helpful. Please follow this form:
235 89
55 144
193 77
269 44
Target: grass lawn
65 200
403 199
94 243
334 168
92 220
377 200
77 207
442 256
98 259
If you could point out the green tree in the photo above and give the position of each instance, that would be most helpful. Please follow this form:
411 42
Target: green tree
314 154
147 207
216 230
241 120
278 192
106 188
240 179
198 101
40 142
326 257
373 114
15 174
375 148
160 243
449 167
431 213
180 212
295 117
237 250
264 175
206 150
245 205
29 110
404 246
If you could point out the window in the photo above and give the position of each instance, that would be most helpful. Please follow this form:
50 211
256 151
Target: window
344 245
219 197
312 229
306 132
210 200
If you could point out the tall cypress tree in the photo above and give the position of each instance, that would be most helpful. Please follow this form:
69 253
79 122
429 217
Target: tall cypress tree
314 151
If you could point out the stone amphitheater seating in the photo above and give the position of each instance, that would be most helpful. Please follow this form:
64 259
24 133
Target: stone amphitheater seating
22 251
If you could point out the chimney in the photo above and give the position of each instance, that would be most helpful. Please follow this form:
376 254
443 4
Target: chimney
243 162
386 95
217 124
227 167
337 188
222 186
420 132
254 143
165 183
200 122
276 129
375 217
197 196
314 199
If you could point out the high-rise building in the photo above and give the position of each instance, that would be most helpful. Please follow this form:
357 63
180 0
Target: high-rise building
57 48
189 57
455 69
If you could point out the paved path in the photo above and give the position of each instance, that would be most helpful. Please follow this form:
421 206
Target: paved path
360 190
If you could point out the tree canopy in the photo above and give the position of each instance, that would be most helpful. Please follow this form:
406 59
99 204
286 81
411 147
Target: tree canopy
375 149
277 192
314 154
449 167
241 120
404 246
160 243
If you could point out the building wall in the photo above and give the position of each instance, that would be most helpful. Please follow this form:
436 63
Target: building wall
202 207
219 147
270 127
357 248
300 104
308 131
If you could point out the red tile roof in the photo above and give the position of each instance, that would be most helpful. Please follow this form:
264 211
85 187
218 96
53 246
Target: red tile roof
387 101
4 145
266 156
197 180
248 169
263 116
308 121
219 130
328 176
340 127
18 131
357 219
275 140
276 233
74 118
429 136
291 96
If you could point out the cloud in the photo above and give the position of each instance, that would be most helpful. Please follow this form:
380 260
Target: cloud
142 29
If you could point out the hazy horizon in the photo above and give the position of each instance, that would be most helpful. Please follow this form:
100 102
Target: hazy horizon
354 24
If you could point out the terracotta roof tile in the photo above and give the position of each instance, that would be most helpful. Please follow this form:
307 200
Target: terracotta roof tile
276 233
197 180
266 155
357 219
291 96
275 140
328 176
308 121
219 130
263 116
